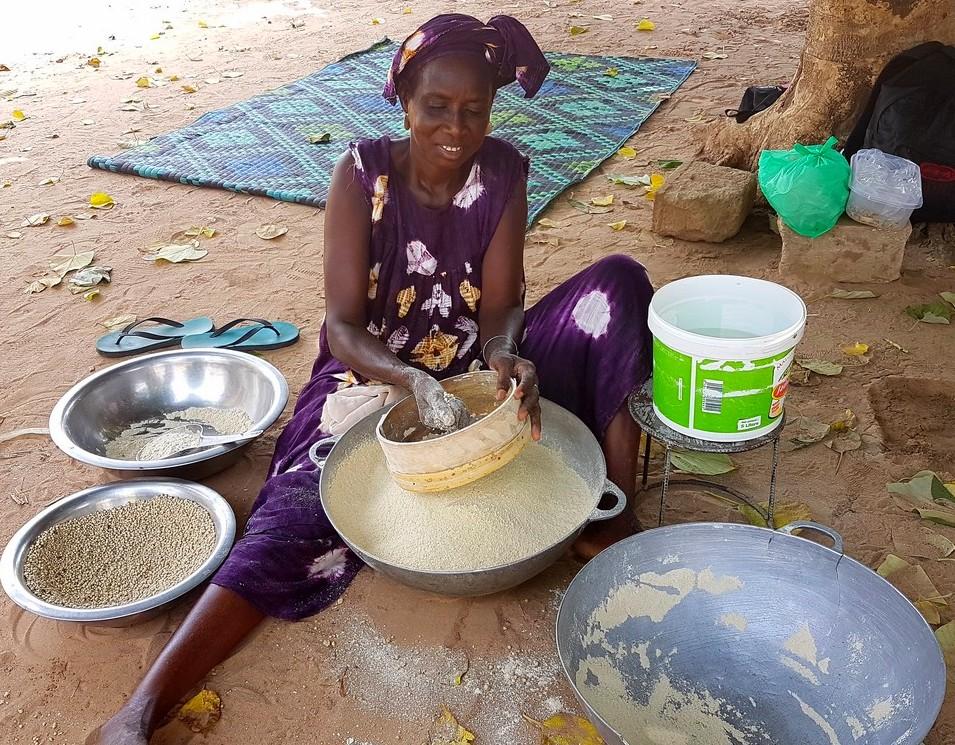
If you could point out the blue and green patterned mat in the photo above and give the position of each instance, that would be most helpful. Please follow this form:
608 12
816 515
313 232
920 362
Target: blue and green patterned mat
261 146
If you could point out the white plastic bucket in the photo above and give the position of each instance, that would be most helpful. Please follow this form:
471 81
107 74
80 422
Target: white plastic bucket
722 350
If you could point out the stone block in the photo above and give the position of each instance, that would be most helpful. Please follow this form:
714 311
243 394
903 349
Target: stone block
703 202
850 252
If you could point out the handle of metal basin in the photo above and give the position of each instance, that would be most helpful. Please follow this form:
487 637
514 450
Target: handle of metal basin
619 506
837 543
313 455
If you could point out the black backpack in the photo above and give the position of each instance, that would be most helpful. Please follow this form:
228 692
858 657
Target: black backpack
911 113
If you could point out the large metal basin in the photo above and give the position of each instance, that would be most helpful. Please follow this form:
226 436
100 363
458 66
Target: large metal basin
811 647
561 430
105 403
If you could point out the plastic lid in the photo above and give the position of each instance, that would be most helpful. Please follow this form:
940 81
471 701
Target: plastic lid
887 179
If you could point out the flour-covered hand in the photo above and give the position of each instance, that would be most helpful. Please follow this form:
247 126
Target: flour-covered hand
437 409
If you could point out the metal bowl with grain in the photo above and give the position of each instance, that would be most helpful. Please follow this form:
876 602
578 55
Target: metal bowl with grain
105 497
100 407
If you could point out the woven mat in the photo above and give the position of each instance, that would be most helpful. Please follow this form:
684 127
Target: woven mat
261 146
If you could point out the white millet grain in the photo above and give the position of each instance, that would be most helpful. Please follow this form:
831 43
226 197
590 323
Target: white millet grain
120 555
528 505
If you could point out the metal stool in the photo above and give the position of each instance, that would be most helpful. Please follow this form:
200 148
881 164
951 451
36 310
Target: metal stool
641 408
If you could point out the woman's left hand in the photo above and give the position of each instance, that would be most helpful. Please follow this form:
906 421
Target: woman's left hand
508 366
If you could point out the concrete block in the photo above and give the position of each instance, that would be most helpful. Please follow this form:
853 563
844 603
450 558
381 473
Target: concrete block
850 252
703 202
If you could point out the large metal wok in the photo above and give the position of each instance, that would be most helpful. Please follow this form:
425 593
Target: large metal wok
779 641
562 430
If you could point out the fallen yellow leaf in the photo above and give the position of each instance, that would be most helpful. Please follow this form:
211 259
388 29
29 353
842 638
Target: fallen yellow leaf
619 225
90 294
65 220
18 115
602 201
101 200
407 11
158 71
577 30
203 24
856 350
446 730
93 62
153 37
377 21
566 729
145 82
627 152
656 181
189 89
646 25
50 181
202 711
546 222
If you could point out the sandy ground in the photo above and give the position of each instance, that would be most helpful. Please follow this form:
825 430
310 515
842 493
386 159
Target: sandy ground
377 667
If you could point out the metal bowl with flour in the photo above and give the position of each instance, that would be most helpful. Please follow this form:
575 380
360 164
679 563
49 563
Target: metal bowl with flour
719 634
562 431
102 405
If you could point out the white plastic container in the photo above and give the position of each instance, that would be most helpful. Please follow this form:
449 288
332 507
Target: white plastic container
885 189
722 350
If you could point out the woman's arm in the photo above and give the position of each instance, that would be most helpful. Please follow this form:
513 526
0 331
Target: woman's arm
346 261
501 318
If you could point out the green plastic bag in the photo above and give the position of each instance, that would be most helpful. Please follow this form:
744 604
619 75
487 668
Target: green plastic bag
808 186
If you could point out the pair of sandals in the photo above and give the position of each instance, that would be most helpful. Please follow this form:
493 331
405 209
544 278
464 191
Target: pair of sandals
244 334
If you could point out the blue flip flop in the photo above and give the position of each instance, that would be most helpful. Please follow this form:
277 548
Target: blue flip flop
261 335
165 333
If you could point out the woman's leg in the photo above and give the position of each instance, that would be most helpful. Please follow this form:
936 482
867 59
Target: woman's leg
214 627
590 342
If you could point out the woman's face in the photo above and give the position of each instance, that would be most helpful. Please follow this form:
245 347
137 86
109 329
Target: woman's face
449 110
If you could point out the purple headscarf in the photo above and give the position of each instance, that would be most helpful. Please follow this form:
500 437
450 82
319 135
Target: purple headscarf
503 41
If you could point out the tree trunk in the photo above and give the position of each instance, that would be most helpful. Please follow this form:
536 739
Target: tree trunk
847 45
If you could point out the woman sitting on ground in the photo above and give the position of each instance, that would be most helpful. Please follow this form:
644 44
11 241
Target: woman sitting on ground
424 278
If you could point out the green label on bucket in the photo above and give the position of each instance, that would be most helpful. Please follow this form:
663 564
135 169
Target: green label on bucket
719 397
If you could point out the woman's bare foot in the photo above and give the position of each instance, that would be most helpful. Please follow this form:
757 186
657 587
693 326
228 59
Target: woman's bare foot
600 535
123 729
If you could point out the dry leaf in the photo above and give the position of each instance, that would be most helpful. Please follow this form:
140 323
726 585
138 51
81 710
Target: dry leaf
619 225
852 294
856 350
35 220
948 297
14 234
627 152
211 81
656 182
269 231
145 82
912 581
646 25
319 139
844 422
87 122
714 55
189 89
202 711
196 232
377 21
101 201
119 321
203 24
447 731
94 62
821 367
546 222
926 544
704 464
566 729
39 285
18 115
176 253
577 30
90 294
801 431
154 37
50 181
406 11
232 74
63 264
65 220
783 514
604 201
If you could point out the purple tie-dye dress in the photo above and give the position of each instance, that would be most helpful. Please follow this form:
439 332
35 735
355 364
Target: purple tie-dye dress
588 338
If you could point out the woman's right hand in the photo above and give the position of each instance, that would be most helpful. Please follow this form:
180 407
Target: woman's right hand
438 411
